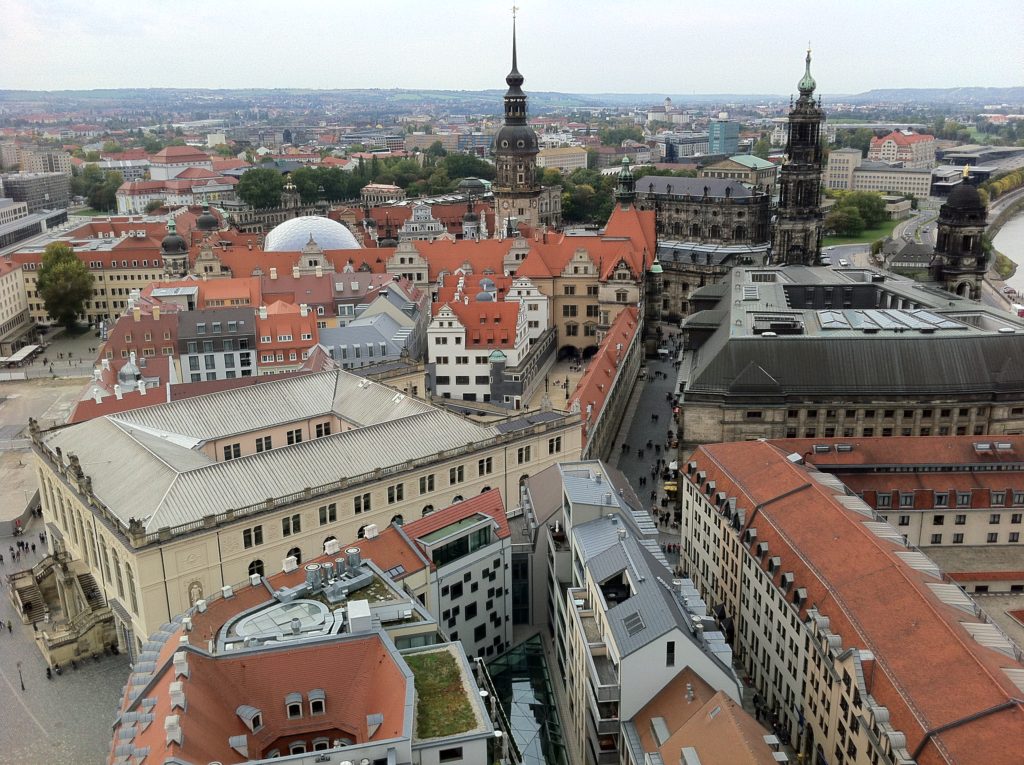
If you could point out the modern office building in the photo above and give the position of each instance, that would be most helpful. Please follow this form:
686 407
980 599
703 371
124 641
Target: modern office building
40 191
723 137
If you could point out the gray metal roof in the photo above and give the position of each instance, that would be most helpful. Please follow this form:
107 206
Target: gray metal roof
694 187
150 467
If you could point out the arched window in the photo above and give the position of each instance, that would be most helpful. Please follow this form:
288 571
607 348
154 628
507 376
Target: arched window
296 553
428 509
106 561
740 232
132 597
397 519
456 498
716 232
362 532
695 229
485 489
256 567
117 576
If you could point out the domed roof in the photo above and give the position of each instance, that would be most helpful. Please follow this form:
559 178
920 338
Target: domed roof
472 185
173 243
294 234
487 284
484 297
965 197
516 139
207 221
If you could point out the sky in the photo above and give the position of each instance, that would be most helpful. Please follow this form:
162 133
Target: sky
674 47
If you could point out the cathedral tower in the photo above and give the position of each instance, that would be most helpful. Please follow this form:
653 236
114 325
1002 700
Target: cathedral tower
960 262
796 235
516 186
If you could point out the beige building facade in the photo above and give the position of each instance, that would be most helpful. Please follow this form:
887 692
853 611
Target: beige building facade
564 158
847 170
184 498
15 320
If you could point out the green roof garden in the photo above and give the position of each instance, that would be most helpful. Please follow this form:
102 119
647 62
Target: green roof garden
443 706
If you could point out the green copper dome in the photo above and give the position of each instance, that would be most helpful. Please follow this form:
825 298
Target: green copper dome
807 83
656 266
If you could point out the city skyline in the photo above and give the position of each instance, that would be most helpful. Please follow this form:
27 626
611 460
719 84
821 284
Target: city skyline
744 48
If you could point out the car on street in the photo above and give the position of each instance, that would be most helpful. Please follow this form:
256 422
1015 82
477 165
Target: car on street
844 262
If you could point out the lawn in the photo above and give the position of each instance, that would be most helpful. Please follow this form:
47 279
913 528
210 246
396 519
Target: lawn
442 708
868 235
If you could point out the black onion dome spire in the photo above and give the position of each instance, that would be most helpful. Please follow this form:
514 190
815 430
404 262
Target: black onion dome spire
515 136
514 79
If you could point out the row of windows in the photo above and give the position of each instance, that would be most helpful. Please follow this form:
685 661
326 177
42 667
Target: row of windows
992 538
940 499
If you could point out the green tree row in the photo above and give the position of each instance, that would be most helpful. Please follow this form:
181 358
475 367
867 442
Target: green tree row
855 211
99 187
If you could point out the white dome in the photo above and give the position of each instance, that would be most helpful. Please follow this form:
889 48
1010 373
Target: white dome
294 234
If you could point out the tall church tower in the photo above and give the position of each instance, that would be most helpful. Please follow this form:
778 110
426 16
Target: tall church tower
174 252
960 262
796 234
516 186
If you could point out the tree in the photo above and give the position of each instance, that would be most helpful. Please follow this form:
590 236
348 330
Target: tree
616 135
153 205
844 221
467 166
104 195
64 284
870 205
436 149
762 148
260 188
223 150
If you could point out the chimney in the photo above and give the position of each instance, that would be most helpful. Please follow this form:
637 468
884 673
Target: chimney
142 387
319 271
227 591
370 531
137 313
180 664
201 605
117 392
176 691
105 363
303 310
186 622
156 312
132 358
172 730
273 273
263 312
96 396
295 272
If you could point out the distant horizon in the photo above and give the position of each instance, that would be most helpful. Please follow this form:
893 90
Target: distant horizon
698 49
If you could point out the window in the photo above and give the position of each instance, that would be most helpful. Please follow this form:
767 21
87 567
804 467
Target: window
294 712
1015 518
316 707
906 499
294 436
291 525
960 520
670 653
201 328
456 590
396 493
471 611
361 503
883 500
941 499
568 310
1014 536
569 289
263 444
958 539
523 454
456 475
323 429
480 632
938 520
554 445
328 513
963 499
453 754
252 537
296 553
904 520
232 451
936 539
484 466
426 483
994 518
256 567
993 537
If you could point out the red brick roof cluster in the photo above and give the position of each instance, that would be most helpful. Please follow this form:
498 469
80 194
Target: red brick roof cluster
595 385
902 139
876 601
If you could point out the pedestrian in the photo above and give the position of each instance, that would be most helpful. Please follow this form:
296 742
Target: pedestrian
10 628
49 674
1 560
33 548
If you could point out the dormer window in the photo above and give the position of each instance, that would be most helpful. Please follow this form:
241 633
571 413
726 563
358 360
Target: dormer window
257 722
293 704
316 702
251 716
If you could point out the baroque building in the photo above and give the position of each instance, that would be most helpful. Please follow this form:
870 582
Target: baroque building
960 263
518 194
796 235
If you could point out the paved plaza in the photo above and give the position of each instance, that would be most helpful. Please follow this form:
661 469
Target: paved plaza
66 719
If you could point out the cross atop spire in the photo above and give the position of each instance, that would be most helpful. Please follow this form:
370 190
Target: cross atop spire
514 79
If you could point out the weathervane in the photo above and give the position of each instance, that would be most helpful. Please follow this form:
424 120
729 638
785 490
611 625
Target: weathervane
514 9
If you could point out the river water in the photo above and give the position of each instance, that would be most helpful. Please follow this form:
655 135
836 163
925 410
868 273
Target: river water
1010 242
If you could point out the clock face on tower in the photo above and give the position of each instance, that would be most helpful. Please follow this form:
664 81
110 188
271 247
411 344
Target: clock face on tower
504 205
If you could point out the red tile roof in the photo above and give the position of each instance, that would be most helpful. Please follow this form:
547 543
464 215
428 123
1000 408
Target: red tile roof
593 388
217 685
488 324
901 139
874 600
172 155
489 503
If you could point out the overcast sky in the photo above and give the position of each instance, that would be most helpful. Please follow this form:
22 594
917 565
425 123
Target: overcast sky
621 46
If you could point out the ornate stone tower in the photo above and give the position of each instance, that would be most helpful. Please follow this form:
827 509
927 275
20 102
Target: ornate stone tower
174 252
796 234
960 262
516 186
625 192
